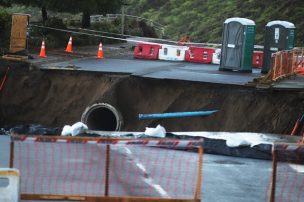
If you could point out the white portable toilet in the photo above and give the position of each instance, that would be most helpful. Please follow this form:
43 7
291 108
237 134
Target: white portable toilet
237 45
172 53
9 185
216 57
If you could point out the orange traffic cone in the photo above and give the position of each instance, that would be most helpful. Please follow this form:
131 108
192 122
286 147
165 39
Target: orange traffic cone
100 52
69 46
42 50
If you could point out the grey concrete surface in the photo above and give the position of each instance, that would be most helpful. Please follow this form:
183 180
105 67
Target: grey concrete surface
225 179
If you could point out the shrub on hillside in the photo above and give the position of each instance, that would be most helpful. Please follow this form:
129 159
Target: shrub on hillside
5 28
53 38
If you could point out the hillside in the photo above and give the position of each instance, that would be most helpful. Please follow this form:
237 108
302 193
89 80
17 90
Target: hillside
202 20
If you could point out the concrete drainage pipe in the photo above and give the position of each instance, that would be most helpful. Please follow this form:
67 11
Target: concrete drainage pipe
103 117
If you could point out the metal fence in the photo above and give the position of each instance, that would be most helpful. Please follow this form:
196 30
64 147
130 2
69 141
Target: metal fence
110 17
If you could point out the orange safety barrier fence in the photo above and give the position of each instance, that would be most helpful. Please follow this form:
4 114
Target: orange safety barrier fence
287 183
287 63
94 169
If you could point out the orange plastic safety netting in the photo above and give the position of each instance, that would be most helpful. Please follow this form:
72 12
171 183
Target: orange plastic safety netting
101 167
288 173
287 63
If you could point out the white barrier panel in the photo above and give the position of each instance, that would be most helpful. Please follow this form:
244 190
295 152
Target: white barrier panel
173 53
9 192
216 57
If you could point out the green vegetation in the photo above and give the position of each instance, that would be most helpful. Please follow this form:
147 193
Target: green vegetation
59 14
202 20
5 21
87 7
69 15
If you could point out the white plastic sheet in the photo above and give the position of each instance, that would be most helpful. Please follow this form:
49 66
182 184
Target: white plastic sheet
67 130
79 128
159 131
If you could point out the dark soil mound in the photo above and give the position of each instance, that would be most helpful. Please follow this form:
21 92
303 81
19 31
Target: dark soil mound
55 98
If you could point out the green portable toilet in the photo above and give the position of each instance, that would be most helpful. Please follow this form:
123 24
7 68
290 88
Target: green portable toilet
279 35
237 44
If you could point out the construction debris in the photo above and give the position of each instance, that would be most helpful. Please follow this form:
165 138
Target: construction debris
15 57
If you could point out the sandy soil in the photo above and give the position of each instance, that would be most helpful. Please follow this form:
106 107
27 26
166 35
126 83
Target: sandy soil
55 98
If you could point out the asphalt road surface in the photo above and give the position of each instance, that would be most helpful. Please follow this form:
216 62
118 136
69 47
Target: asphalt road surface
159 69
120 61
226 179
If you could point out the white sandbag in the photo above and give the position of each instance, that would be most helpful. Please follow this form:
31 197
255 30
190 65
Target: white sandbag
79 128
159 131
67 130
237 142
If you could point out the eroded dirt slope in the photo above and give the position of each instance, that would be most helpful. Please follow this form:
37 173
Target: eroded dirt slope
55 98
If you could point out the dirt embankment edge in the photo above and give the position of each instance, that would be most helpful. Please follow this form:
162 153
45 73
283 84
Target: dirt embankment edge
55 98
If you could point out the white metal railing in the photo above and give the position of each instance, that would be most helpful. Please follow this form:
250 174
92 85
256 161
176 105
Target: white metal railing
100 18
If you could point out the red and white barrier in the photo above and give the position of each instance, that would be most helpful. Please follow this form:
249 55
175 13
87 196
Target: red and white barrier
172 53
199 54
145 142
146 51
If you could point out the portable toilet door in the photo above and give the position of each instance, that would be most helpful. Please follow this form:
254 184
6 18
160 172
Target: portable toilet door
172 53
279 35
237 44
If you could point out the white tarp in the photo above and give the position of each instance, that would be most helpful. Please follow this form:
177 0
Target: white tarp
159 131
74 130
232 138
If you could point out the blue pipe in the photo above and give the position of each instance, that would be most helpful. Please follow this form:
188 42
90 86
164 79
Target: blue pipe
175 114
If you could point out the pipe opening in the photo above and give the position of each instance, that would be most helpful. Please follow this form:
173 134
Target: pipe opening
103 117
